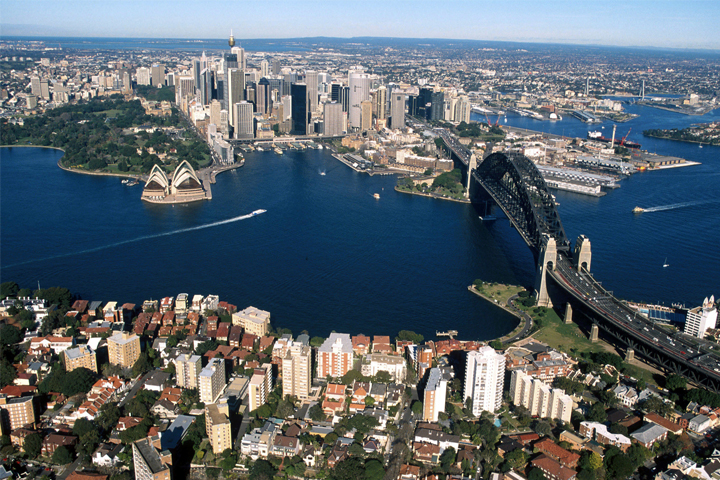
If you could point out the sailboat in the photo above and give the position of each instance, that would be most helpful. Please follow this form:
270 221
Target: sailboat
665 264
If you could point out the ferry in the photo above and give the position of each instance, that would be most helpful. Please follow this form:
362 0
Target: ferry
278 151
258 212
376 195
638 210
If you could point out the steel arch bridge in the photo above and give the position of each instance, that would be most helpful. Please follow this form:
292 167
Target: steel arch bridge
514 183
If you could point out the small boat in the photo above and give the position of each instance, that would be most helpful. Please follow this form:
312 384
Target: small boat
376 195
126 181
258 212
322 173
665 264
638 210
278 151
488 218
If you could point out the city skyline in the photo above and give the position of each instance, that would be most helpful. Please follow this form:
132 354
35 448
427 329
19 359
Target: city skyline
641 23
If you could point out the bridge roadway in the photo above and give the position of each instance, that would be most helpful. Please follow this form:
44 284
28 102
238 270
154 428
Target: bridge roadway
634 330
699 364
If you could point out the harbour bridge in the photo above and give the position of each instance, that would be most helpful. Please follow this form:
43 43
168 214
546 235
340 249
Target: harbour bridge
513 183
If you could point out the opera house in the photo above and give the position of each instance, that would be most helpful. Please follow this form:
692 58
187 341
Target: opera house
184 186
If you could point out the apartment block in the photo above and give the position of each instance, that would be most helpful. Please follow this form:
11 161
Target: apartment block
123 349
297 370
434 396
540 400
80 357
149 464
253 320
187 370
16 412
484 379
259 388
217 426
212 380
335 356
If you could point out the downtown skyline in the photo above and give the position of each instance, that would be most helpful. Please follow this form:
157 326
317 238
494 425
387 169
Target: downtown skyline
641 23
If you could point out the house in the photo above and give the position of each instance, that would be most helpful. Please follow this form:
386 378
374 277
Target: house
556 452
437 437
86 476
125 423
53 441
426 452
106 455
156 381
360 391
626 395
338 453
285 446
55 344
664 422
409 472
650 433
601 434
165 409
335 391
360 344
17 436
552 469
699 423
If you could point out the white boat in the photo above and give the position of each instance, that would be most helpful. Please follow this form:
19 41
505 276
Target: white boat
488 218
258 212
665 264
322 173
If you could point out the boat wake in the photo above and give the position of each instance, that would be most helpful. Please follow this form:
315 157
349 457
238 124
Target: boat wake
677 205
140 239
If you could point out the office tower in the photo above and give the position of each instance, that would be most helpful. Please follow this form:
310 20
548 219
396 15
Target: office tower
259 387
81 356
239 53
311 80
288 80
437 106
359 92
345 98
218 427
35 86
484 379
300 109
148 463
264 68
365 115
277 85
335 89
196 69
127 82
413 104
187 370
297 370
215 109
31 101
224 123
425 103
212 380
142 75
333 118
123 349
244 123
205 87
231 61
462 109
334 356
235 91
699 319
158 75
184 88
276 66
287 107
263 100
381 103
434 396
397 110
16 412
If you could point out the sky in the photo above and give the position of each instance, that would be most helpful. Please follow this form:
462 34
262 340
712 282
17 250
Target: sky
692 24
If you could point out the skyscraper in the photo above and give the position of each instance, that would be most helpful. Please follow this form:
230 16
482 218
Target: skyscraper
397 110
187 370
142 75
235 90
333 118
438 106
434 396
359 92
263 100
311 80
231 61
264 68
484 379
297 370
244 124
334 356
158 75
381 103
212 380
35 86
365 115
276 66
300 109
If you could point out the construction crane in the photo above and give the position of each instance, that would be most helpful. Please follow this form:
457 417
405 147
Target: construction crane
488 120
622 142
498 120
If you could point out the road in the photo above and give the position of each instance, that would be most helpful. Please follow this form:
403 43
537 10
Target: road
528 321
69 469
139 382
400 443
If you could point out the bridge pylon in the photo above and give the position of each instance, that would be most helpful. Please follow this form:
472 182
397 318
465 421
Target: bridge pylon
582 254
472 165
546 259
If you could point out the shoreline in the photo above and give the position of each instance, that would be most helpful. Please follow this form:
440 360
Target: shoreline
515 331
682 140
429 195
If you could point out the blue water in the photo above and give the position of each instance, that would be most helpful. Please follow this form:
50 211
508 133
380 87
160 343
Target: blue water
328 256
100 43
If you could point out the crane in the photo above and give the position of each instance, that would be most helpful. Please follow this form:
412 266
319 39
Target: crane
488 120
622 142
496 121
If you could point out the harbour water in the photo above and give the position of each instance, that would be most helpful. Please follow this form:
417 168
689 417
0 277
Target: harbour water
328 256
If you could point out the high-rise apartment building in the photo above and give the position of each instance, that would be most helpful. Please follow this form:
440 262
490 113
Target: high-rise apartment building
699 319
397 110
142 76
218 427
123 349
187 370
434 396
16 412
462 109
81 356
311 80
484 379
297 370
212 380
333 119
35 86
259 387
540 400
148 463
335 356
185 88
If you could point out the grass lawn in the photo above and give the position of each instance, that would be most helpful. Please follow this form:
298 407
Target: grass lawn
566 338
497 291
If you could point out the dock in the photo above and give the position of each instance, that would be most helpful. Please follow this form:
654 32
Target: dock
450 333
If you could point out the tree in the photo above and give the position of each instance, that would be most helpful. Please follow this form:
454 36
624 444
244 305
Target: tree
356 449
108 416
82 426
262 470
543 429
374 470
516 459
316 341
8 289
496 344
536 474
410 336
369 401
33 445
675 382
447 459
620 467
87 442
349 469
417 407
316 413
142 365
61 456
618 429
10 335
8 373
597 413
382 377
229 460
